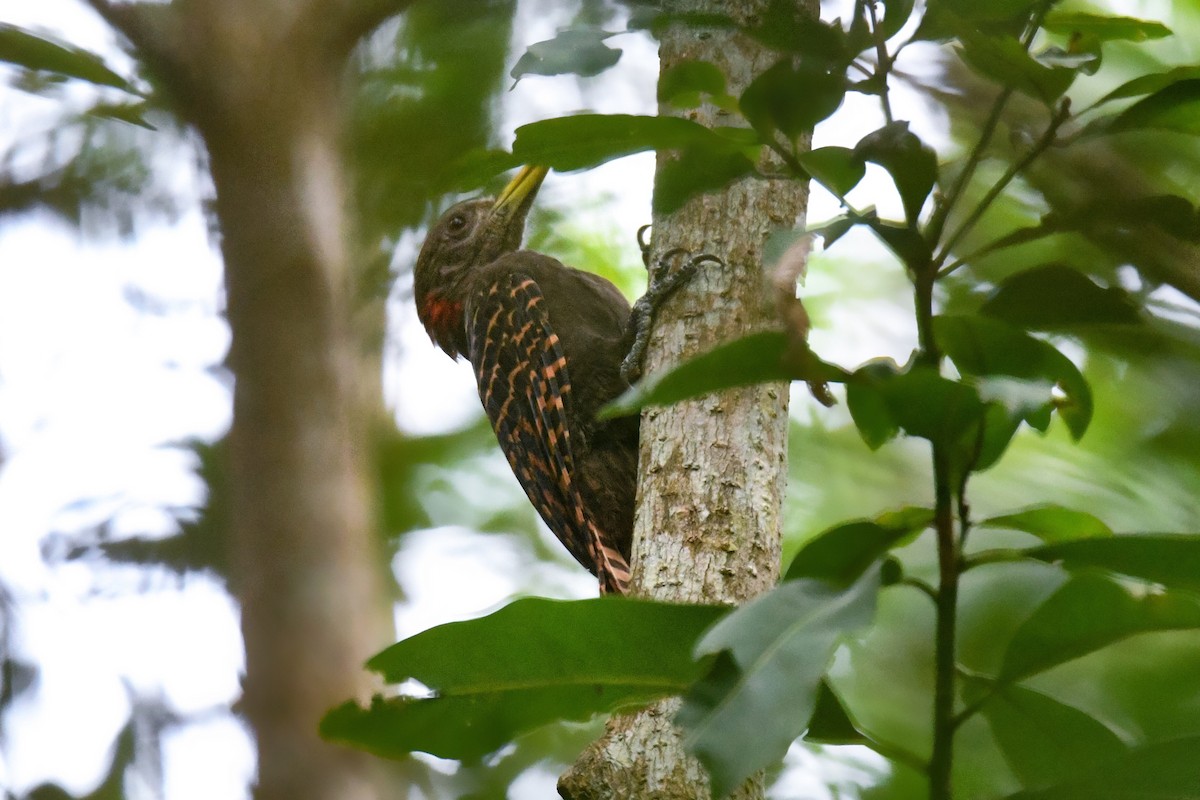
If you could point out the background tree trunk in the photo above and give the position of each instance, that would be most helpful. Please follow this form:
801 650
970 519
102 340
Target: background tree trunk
263 83
713 471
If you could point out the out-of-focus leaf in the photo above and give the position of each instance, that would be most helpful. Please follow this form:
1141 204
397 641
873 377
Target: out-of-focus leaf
945 19
686 83
762 689
830 722
912 165
1157 771
1056 296
1088 613
1046 741
1004 60
531 662
35 52
981 346
1172 560
838 169
1104 27
1149 84
1175 108
578 51
868 405
585 140
1051 523
756 358
792 96
788 27
895 14
842 553
919 401
133 113
905 241
697 169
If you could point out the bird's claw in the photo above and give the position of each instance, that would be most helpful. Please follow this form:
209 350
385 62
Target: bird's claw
662 285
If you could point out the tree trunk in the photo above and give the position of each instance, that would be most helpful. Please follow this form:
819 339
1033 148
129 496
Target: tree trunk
262 81
713 471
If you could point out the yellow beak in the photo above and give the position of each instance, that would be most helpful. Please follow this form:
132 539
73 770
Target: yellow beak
524 185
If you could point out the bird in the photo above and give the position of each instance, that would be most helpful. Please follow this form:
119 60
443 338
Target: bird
546 342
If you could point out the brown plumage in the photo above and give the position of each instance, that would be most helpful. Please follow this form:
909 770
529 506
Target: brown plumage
546 342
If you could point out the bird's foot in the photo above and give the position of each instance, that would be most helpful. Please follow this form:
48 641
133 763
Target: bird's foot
665 280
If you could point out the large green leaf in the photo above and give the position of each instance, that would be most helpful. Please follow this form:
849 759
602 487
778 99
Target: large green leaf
756 358
585 140
1088 613
1051 523
1170 559
1104 27
1055 296
532 662
911 163
578 51
1175 108
792 96
918 401
699 168
838 169
763 687
1158 771
1149 84
1005 60
34 52
982 346
1046 741
842 553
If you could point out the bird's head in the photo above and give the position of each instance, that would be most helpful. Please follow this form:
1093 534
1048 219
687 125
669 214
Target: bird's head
469 235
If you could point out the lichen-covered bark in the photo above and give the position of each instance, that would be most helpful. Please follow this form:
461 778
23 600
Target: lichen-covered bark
713 470
262 82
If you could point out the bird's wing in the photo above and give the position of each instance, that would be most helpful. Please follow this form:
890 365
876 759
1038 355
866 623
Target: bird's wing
525 385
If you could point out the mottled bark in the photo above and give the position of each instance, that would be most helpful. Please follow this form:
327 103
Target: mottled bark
262 82
713 470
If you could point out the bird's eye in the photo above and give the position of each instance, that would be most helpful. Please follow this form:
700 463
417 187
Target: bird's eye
457 223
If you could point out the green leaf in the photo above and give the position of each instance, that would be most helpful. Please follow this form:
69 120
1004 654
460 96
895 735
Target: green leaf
838 169
1159 771
830 722
1174 108
905 241
1046 741
34 52
585 140
981 346
763 687
792 96
1004 60
1103 27
945 19
578 51
1088 613
1149 84
1051 523
912 165
696 169
868 405
685 83
532 662
842 553
1055 296
1169 559
755 358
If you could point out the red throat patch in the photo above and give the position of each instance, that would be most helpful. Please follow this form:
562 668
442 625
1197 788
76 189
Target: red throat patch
442 318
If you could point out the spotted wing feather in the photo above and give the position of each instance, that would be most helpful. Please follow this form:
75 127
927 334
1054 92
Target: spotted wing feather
525 385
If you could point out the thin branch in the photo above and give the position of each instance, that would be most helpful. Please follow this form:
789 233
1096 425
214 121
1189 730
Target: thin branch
884 63
1048 137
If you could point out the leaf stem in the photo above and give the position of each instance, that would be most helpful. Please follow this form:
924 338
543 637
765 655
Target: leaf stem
883 63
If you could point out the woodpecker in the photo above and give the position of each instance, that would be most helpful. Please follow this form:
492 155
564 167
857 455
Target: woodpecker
547 343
